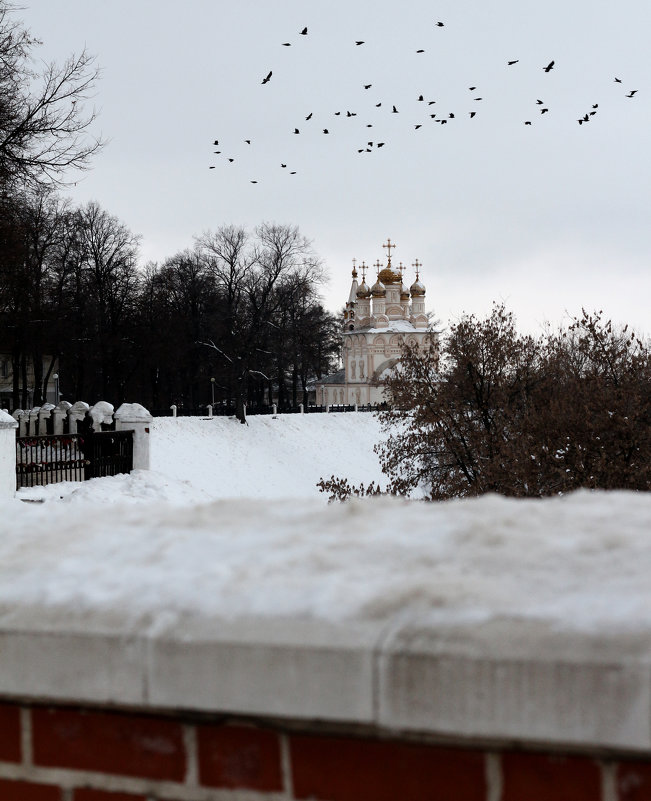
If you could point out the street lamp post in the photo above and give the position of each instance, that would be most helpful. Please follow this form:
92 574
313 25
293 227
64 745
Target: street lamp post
212 387
56 389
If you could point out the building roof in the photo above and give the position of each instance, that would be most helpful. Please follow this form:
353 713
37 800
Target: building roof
335 378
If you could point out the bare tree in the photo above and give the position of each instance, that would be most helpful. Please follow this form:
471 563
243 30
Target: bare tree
44 129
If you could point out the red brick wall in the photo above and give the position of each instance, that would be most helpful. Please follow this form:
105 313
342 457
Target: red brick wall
68 754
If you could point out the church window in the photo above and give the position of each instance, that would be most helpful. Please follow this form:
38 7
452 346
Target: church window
352 369
361 369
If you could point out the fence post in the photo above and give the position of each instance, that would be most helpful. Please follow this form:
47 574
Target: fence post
44 414
300 406
173 408
274 409
58 413
134 417
8 428
76 413
32 421
244 412
209 407
356 409
101 412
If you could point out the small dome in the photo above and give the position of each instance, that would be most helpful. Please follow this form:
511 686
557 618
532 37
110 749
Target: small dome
363 291
417 288
387 276
378 290
404 293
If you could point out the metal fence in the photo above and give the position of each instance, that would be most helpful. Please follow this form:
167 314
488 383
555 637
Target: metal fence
51 458
229 411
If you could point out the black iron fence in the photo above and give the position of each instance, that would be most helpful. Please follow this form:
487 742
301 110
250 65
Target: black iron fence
51 458
229 411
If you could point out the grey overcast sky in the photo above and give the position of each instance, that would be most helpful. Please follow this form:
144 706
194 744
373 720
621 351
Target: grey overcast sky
548 217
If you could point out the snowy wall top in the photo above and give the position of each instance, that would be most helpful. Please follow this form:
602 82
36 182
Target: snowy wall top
490 618
6 420
133 412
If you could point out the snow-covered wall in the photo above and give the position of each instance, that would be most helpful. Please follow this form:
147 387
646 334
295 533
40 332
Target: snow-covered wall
490 649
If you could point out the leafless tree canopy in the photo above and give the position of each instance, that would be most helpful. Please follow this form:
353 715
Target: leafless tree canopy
44 127
519 415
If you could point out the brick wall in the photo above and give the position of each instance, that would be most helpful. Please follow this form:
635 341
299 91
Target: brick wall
50 753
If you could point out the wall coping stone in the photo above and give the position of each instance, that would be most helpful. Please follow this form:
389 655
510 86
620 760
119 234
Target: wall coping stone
502 680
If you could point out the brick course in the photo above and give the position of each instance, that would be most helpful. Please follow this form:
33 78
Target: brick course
93 755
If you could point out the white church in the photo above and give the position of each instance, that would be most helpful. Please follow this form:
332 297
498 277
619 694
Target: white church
377 321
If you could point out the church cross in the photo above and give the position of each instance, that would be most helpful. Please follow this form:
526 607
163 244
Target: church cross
378 267
388 246
363 268
417 265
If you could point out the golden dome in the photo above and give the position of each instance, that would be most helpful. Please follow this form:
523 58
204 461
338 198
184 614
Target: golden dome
417 288
378 290
388 276
363 291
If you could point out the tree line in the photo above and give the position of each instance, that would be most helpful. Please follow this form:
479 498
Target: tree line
236 317
516 414
238 307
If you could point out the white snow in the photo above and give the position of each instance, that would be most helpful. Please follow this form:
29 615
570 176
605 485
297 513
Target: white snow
229 524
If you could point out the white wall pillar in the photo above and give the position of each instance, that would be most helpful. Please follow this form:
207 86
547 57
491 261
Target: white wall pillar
134 417
76 413
58 414
173 408
8 428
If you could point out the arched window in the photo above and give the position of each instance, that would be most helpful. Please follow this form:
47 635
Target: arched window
352 369
361 369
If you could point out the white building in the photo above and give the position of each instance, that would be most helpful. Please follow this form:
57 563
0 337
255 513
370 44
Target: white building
377 322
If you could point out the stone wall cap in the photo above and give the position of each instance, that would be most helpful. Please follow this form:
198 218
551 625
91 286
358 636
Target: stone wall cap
133 412
7 421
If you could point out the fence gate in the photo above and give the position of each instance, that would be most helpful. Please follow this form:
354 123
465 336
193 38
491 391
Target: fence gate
50 458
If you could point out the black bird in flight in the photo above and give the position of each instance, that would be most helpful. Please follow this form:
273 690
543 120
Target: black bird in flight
431 102
296 130
540 102
367 85
325 130
544 110
309 116
211 168
528 122
631 93
217 152
472 114
596 105
287 44
394 110
254 182
471 88
420 97
439 24
216 142
420 51
293 172
451 115
549 67
511 63
368 125
304 32
618 80
337 113
380 144
248 141
231 160
416 127
377 105
283 165
359 43
268 77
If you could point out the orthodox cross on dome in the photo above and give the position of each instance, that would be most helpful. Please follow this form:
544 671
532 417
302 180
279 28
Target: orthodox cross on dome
378 266
354 268
401 267
363 268
388 246
417 265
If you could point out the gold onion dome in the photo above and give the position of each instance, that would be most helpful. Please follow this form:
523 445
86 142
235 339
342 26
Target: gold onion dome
417 288
404 293
378 290
388 276
363 291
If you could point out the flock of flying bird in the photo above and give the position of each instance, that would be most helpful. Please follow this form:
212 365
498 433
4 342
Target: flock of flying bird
369 146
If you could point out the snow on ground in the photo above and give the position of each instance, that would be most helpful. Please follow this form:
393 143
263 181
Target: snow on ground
195 460
229 524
